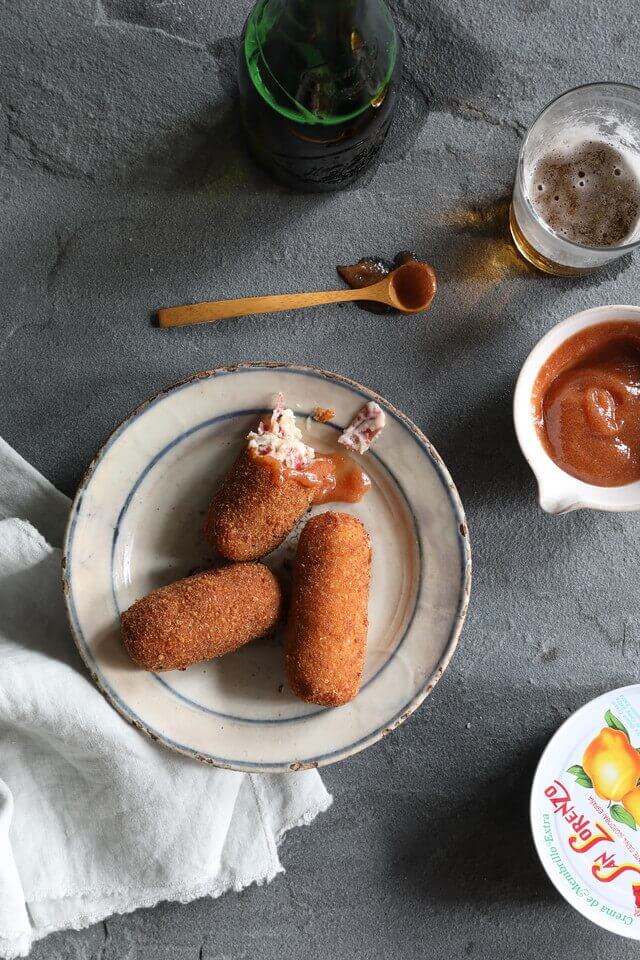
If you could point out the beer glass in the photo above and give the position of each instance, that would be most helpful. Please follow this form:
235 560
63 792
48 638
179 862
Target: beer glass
599 122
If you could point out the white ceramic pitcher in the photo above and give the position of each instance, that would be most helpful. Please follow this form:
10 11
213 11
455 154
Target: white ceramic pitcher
558 492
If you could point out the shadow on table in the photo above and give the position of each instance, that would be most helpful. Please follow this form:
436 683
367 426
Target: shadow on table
210 156
478 848
473 843
445 70
478 250
481 450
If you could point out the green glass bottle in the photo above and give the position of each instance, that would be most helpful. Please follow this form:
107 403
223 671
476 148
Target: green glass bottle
318 85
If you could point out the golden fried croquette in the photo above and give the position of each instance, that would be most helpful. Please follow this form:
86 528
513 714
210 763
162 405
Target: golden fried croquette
327 627
201 617
254 509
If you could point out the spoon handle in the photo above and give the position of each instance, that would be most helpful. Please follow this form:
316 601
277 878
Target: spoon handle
243 306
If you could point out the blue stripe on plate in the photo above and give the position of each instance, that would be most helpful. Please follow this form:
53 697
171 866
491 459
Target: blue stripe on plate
256 412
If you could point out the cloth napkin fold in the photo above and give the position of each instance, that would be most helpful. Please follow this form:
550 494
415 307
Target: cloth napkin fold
96 819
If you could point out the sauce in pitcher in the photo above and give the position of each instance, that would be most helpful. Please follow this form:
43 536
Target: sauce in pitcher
586 404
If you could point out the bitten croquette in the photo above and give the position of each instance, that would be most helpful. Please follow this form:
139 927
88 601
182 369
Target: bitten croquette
328 617
254 509
202 617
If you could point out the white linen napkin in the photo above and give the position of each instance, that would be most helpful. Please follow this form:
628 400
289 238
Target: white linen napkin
96 819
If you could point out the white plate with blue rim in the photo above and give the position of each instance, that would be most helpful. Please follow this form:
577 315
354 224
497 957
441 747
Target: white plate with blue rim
136 524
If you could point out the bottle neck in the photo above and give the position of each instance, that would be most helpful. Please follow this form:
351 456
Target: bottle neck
320 61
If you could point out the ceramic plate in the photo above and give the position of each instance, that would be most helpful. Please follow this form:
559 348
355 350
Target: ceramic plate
136 524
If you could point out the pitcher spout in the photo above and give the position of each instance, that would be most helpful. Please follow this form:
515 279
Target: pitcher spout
557 501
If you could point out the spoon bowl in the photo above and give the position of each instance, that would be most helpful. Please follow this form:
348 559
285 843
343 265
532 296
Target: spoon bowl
412 287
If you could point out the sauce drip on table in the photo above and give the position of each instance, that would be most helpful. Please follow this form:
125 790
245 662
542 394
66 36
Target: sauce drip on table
586 404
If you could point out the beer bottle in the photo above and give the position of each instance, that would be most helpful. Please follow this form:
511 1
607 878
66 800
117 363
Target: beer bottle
318 84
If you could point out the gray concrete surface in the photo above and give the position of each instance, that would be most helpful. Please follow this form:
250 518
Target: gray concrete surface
124 185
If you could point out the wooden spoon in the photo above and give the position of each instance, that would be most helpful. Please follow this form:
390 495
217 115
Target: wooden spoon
409 288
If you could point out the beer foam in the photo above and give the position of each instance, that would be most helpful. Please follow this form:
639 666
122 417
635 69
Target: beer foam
586 187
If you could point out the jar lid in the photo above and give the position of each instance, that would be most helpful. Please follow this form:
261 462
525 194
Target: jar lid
585 811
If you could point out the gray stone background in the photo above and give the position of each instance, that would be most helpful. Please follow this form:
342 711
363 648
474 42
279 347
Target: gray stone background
124 185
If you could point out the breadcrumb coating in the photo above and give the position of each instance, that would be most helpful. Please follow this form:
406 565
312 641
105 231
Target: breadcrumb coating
201 617
254 509
328 617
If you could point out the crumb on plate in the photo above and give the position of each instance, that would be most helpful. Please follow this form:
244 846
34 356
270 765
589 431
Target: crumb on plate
322 414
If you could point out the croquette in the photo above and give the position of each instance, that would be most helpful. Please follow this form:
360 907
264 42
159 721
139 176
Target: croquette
254 509
201 617
327 625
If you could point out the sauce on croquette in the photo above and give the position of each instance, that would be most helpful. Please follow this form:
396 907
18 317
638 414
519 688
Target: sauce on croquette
333 477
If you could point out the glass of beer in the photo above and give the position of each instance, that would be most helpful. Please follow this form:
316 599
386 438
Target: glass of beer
576 200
